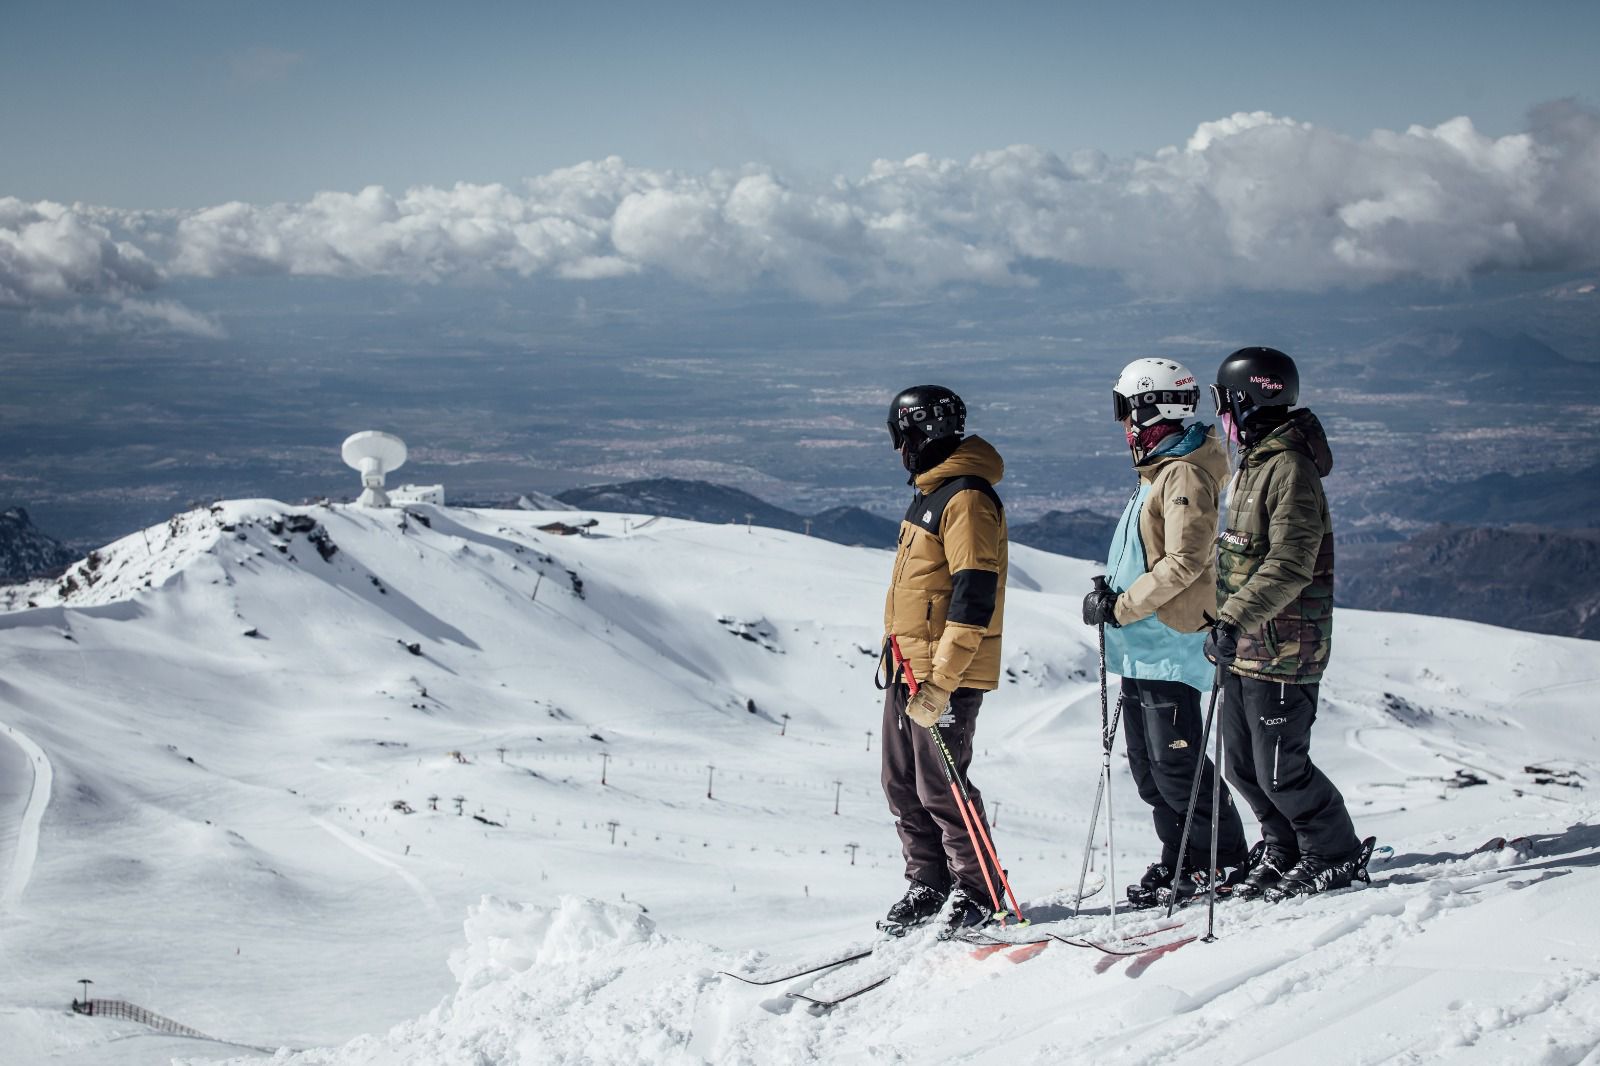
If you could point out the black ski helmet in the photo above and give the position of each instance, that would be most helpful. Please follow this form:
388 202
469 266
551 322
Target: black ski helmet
925 413
1252 378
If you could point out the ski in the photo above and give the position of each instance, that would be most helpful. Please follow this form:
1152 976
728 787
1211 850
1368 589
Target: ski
979 938
829 1004
1171 945
842 960
1134 939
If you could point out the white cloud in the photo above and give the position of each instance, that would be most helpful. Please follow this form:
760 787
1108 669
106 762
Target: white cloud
52 252
132 316
1252 200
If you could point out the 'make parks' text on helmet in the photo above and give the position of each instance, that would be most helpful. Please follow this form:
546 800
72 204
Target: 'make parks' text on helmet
1255 377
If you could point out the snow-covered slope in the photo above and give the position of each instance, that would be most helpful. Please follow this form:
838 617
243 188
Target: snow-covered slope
225 737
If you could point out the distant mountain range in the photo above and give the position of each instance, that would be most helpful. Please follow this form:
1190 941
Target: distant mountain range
1518 551
25 551
1081 534
1469 361
1545 581
1568 498
701 501
1542 580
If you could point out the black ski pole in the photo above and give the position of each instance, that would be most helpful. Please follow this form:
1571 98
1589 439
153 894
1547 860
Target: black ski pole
1216 820
1194 794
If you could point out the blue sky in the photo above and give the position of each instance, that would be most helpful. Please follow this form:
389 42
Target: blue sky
183 105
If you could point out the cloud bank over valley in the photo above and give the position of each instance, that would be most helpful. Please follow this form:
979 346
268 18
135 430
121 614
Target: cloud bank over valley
1252 201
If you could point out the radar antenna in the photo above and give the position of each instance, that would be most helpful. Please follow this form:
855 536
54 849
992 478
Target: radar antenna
375 454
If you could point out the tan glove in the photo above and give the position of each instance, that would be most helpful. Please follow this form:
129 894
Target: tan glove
928 705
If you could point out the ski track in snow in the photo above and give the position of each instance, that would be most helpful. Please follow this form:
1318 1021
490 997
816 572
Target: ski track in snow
367 851
26 851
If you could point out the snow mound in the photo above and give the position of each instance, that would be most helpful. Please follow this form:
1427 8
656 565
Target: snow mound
581 981
154 557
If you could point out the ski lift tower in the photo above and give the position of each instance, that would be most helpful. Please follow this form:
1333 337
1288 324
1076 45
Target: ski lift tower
375 454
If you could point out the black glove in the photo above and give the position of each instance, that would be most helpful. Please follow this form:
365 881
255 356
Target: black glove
1100 607
1222 643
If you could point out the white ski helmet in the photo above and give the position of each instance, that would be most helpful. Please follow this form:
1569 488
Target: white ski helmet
1154 390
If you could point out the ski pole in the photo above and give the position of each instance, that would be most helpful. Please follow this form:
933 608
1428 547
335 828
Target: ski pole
1103 790
1194 796
976 830
1216 820
1104 777
1088 846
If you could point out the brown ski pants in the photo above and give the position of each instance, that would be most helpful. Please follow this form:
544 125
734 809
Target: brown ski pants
927 817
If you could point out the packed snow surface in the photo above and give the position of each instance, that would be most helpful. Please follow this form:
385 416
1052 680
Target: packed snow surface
257 766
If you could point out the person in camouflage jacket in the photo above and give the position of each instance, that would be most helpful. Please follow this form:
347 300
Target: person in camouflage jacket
1274 629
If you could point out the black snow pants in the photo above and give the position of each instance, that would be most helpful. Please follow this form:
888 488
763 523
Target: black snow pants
1162 723
926 815
1267 730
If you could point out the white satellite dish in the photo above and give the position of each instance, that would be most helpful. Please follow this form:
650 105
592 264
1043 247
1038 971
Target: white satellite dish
375 454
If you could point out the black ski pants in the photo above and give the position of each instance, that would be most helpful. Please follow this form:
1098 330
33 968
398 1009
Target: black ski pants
927 817
1267 730
1162 723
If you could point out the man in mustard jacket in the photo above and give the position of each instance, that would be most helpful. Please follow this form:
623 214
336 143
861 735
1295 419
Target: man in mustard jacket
945 606
1162 581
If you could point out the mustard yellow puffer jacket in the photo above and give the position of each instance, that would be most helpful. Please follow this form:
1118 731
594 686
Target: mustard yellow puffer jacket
947 595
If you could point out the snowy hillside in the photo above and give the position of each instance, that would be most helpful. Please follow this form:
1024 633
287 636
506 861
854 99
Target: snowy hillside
224 740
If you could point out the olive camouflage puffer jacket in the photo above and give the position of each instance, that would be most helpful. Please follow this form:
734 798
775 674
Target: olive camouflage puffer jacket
947 593
1275 555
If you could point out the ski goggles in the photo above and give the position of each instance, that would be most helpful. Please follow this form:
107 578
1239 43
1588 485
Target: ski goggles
1226 400
901 422
1122 407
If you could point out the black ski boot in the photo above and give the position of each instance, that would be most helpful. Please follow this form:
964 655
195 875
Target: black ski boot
1148 892
1262 870
916 907
1313 874
1196 884
966 912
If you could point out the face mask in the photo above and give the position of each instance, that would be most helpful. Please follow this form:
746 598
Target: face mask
1229 428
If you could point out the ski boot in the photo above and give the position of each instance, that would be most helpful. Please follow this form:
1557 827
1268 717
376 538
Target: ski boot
1148 892
966 912
1262 870
917 907
1196 884
1313 874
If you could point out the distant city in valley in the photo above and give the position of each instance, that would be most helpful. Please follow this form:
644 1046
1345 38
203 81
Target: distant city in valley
502 393
1469 406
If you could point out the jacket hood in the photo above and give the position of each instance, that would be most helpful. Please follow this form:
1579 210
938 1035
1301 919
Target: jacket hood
1199 444
974 456
1303 434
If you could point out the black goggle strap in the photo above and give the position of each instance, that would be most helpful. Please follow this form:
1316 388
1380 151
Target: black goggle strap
1225 400
903 419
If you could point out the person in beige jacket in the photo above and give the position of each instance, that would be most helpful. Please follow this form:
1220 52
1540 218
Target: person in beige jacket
1162 577
945 608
